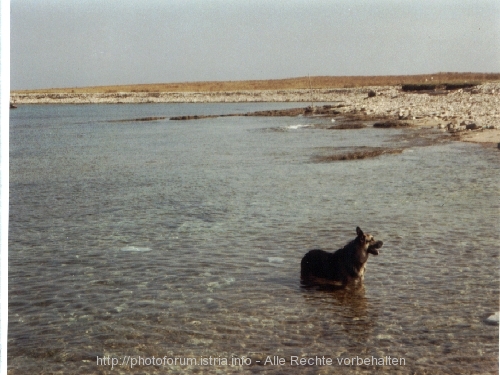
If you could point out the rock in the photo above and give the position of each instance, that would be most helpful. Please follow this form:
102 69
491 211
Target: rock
404 114
493 319
371 94
472 126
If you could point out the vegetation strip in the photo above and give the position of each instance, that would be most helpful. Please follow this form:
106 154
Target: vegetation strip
306 83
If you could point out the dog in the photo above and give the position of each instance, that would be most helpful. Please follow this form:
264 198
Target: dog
342 267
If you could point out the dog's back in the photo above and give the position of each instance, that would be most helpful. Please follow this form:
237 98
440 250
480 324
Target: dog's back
342 266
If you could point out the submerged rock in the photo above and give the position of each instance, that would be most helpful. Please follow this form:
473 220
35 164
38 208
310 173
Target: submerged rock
391 124
348 126
360 153
150 118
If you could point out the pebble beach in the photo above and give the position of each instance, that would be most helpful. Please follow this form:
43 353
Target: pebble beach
472 114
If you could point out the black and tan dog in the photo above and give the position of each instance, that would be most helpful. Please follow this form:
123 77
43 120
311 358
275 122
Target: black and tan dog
319 267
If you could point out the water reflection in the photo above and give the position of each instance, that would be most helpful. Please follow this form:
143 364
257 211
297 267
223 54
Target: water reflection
346 307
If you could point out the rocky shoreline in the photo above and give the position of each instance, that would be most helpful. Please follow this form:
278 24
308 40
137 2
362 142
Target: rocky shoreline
466 112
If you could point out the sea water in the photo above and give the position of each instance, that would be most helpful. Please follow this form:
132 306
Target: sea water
175 246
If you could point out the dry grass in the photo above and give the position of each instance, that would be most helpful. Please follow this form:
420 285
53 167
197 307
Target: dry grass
285 84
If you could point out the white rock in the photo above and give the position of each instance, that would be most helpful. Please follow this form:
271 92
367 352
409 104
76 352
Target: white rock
493 319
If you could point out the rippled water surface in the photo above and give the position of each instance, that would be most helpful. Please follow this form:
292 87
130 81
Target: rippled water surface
184 239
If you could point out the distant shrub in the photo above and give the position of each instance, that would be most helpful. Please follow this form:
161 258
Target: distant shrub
456 86
418 87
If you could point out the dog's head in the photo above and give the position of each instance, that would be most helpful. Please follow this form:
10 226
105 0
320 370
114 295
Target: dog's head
368 242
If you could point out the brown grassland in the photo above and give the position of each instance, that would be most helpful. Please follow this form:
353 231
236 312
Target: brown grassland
317 82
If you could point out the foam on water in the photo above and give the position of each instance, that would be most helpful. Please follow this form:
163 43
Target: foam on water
298 126
135 248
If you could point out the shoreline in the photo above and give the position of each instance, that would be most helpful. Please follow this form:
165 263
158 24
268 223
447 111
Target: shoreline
470 114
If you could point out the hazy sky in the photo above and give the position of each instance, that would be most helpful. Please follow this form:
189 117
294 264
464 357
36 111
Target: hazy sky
70 43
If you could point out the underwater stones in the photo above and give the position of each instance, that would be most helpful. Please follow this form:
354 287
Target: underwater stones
355 125
360 153
195 117
390 124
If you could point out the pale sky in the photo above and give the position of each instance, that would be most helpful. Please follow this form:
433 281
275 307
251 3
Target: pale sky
74 43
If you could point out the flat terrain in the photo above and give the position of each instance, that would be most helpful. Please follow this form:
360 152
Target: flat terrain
283 84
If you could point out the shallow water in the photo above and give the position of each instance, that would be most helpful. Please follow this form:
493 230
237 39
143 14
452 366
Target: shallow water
183 239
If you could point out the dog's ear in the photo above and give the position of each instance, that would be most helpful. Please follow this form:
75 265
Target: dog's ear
359 232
